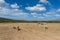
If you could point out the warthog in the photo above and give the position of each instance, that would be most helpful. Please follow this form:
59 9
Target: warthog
14 27
18 28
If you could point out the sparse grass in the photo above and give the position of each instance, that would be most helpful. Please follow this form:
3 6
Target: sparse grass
29 31
4 28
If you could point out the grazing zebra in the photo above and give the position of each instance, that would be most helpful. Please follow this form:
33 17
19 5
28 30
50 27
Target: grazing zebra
40 24
43 25
46 27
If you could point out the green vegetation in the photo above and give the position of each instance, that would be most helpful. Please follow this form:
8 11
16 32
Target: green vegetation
6 20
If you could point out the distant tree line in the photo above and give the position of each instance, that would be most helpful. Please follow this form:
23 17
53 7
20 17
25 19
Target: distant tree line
5 20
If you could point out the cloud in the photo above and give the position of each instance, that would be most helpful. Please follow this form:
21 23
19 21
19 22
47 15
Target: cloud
50 15
14 6
37 8
53 14
20 13
4 10
35 14
3 4
44 1
3 7
12 10
57 15
58 10
2 1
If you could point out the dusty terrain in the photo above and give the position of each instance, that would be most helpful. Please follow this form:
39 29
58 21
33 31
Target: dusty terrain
29 31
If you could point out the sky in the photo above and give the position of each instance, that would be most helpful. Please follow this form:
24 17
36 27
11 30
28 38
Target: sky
32 10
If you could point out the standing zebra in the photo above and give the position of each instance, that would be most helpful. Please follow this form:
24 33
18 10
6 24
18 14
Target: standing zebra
43 25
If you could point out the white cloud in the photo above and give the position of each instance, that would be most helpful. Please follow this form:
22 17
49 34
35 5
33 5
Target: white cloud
3 4
13 12
14 6
20 13
49 14
38 7
44 1
35 14
57 15
46 15
5 9
2 1
52 13
58 10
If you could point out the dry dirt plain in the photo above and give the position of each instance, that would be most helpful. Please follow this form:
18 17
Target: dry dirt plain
29 31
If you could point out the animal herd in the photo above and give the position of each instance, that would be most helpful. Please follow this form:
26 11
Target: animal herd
41 25
17 28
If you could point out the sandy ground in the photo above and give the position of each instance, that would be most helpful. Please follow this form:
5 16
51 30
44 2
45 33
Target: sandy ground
29 31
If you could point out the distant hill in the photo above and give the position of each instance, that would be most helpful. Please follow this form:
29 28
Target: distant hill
6 20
